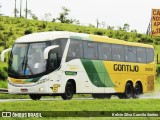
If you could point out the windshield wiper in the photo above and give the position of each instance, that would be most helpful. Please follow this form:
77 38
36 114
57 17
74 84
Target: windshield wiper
21 65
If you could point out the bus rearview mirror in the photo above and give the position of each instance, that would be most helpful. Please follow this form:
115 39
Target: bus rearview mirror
3 53
46 50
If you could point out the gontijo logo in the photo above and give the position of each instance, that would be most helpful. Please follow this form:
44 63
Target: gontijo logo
127 68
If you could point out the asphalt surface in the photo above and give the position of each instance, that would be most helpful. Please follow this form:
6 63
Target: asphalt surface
154 95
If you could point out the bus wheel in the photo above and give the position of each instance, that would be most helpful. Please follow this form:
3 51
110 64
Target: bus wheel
128 91
69 91
35 96
108 96
121 96
137 91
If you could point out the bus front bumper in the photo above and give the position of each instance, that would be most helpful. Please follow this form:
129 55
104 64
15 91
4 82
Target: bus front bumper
42 88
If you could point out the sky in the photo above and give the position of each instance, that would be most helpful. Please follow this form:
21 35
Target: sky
136 13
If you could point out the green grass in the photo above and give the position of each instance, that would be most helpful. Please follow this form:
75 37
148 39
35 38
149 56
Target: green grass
130 105
84 105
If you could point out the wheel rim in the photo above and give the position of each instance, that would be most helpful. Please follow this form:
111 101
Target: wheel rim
128 91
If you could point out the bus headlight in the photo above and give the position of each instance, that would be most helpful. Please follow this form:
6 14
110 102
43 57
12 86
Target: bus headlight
42 81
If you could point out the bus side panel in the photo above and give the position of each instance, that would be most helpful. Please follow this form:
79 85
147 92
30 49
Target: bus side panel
121 72
91 77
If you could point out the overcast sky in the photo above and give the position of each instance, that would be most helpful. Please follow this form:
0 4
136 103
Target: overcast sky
136 13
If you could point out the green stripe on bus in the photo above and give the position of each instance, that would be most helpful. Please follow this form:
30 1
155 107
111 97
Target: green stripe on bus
103 74
97 73
92 73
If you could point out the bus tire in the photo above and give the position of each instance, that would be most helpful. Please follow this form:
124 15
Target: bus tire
35 96
128 91
121 95
69 91
137 91
108 96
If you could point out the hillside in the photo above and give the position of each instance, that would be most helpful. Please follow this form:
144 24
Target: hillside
12 28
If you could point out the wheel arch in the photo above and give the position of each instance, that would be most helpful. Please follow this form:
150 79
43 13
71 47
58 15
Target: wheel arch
129 81
73 83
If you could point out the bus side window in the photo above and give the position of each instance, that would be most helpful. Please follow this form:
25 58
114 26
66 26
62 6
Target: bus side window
150 54
75 50
53 61
60 50
90 50
141 55
117 52
104 51
130 54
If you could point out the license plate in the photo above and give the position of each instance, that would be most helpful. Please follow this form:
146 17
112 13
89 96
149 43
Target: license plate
24 90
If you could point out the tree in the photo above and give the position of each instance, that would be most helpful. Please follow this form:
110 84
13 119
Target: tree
63 17
97 23
16 12
33 16
15 9
110 27
126 27
134 31
120 28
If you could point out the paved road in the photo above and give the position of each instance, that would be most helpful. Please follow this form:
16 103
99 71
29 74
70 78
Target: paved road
43 99
155 95
151 95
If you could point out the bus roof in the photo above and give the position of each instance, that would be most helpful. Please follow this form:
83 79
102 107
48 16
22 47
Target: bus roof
47 36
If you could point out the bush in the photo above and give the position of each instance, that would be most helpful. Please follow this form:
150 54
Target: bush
3 73
97 32
26 32
1 27
158 69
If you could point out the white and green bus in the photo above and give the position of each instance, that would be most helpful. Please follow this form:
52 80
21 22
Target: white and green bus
65 63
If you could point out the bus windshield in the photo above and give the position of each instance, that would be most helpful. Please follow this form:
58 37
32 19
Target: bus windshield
27 59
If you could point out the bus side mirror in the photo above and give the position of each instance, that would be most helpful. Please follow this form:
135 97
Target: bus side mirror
3 53
46 51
